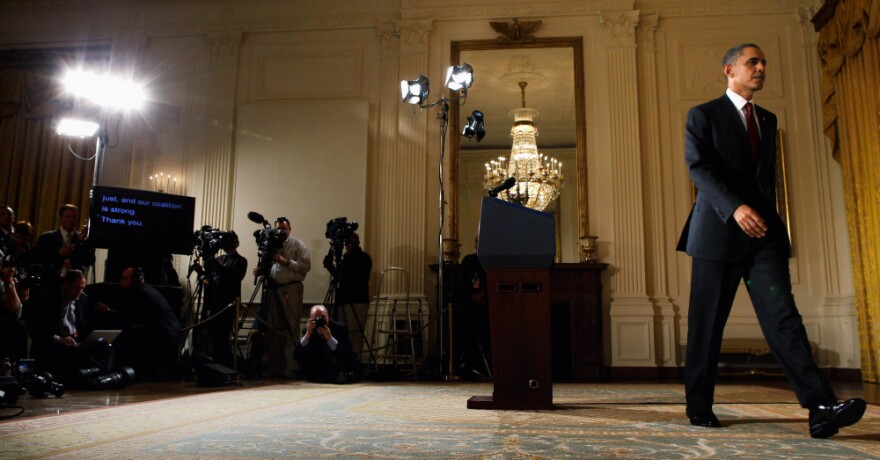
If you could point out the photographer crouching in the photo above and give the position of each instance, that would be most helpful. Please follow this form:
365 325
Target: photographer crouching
222 277
351 274
283 295
324 351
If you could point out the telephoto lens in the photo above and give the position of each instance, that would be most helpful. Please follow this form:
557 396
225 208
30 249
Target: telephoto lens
113 380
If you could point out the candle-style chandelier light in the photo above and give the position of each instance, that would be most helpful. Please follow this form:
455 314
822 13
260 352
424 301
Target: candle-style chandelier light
538 176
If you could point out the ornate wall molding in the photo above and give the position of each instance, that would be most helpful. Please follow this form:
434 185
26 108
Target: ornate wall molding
414 35
225 44
620 27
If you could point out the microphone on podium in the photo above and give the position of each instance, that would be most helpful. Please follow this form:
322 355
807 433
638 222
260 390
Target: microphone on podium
508 183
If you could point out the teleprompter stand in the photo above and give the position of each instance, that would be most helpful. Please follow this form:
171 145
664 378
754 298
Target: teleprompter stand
517 247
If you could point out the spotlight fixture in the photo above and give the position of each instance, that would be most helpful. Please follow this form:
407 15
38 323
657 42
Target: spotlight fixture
77 128
474 127
414 91
104 90
460 78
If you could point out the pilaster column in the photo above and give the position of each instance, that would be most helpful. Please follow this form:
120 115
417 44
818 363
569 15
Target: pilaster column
403 156
666 319
632 313
220 155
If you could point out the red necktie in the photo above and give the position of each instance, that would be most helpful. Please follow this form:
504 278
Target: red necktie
752 128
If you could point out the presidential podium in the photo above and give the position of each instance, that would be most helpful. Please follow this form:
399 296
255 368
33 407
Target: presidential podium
517 247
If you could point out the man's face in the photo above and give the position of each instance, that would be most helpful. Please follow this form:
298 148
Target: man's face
6 217
73 289
127 278
746 75
68 219
283 227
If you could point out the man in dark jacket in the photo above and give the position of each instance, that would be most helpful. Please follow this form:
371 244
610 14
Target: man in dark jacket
735 234
150 332
324 351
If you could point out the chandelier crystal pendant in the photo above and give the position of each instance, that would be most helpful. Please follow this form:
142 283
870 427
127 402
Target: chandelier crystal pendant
538 176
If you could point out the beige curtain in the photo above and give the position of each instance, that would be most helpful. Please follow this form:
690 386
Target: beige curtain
38 171
849 49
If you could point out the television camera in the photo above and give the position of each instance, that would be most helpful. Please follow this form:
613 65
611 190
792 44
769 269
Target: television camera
208 240
268 240
338 232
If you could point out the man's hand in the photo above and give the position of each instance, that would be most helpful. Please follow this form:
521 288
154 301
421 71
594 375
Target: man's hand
750 221
68 341
280 259
8 274
65 251
325 332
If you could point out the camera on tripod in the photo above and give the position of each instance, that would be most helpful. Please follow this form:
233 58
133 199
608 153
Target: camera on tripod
339 230
208 240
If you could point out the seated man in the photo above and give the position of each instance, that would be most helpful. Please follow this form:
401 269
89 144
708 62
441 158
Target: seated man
150 330
324 351
58 320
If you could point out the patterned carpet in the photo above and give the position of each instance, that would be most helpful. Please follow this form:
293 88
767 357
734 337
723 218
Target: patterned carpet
429 420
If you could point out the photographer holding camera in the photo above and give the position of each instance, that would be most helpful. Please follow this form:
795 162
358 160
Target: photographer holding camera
65 248
352 276
13 331
324 351
223 275
284 291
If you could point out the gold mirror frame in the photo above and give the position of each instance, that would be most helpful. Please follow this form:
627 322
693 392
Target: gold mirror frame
577 45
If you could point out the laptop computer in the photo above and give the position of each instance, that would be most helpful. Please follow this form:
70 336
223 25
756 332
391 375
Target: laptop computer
101 337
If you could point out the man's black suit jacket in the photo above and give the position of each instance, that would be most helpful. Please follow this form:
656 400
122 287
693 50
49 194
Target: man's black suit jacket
50 242
719 162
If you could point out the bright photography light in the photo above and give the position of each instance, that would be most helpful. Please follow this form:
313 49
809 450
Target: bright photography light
104 90
414 91
460 77
77 128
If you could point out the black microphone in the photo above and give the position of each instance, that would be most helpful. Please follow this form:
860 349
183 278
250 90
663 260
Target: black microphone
508 183
257 218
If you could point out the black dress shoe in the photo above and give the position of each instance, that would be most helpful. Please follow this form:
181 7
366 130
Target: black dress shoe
705 418
826 420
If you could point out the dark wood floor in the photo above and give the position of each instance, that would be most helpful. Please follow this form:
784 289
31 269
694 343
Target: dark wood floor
76 400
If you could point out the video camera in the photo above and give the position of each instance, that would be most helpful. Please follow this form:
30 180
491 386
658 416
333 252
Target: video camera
268 240
208 240
338 231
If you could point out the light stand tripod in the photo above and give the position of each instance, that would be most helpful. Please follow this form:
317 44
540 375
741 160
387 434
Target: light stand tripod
458 79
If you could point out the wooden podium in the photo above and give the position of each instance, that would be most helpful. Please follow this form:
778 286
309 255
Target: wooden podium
516 248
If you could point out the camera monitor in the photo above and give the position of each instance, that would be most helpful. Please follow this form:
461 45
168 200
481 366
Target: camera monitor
513 236
125 219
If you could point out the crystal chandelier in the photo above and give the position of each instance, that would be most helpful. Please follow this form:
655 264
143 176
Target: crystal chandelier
538 177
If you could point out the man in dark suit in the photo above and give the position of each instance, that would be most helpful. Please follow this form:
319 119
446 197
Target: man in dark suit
223 275
324 351
151 330
58 320
734 233
64 248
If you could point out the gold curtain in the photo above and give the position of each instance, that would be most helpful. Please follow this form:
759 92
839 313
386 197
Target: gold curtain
38 172
849 50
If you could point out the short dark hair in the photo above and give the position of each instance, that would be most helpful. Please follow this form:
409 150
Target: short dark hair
23 226
734 53
67 206
73 275
283 219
